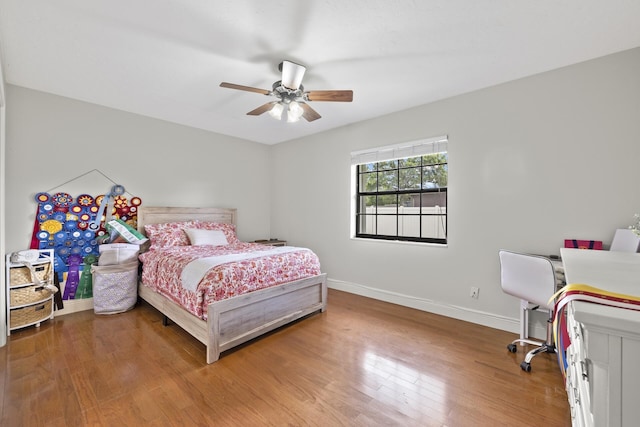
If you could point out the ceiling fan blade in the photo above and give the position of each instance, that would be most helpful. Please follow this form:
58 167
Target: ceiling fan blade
292 74
309 113
330 95
246 88
262 109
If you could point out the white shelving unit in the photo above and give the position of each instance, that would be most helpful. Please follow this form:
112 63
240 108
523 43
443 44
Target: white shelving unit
603 377
29 302
603 374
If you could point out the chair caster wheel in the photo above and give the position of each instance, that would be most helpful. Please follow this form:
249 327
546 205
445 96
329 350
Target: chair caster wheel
526 366
512 348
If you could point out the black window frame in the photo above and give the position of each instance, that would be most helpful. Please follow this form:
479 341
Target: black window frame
360 193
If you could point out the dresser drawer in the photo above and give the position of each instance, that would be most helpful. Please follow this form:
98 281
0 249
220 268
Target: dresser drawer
583 391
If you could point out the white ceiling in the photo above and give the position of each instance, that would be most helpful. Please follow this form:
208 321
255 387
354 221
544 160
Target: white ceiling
166 58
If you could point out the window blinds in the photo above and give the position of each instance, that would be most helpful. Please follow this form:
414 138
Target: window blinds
400 151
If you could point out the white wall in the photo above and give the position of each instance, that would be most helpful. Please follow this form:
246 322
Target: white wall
51 140
531 162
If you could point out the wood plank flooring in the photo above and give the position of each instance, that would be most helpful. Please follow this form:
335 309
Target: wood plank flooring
361 363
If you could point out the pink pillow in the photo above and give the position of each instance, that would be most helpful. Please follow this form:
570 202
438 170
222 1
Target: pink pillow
169 234
229 230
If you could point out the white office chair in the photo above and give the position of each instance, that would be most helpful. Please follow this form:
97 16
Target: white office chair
531 278
625 240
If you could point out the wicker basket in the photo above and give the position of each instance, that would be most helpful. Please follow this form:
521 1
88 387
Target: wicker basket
31 314
22 275
28 295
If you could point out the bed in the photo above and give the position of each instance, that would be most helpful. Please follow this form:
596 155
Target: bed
227 323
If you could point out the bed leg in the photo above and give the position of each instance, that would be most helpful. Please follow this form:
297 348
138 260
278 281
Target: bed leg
213 332
212 354
165 320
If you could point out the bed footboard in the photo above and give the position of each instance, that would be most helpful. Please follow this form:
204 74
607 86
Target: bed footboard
237 320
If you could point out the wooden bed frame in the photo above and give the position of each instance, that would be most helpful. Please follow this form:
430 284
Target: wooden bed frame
239 319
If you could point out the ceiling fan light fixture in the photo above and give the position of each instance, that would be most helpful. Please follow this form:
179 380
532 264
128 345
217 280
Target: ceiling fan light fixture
292 75
276 111
294 112
291 95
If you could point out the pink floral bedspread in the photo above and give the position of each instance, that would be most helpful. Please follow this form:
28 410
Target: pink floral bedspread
161 269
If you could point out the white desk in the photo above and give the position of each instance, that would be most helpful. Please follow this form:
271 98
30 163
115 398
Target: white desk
603 376
611 271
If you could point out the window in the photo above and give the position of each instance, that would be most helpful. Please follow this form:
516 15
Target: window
401 192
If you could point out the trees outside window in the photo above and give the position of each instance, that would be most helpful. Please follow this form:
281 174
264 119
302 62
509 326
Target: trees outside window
403 198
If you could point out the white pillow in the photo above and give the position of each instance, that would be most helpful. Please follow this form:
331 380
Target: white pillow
199 237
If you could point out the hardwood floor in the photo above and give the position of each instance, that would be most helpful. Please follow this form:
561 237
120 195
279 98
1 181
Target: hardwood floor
363 363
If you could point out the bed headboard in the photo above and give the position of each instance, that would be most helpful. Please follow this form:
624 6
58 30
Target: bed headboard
161 214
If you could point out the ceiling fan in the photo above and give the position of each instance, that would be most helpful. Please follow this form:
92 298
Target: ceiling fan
291 96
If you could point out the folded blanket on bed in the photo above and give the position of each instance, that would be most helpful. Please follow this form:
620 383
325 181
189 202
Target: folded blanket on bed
196 269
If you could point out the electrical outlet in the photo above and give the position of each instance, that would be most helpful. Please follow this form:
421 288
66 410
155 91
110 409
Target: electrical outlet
474 292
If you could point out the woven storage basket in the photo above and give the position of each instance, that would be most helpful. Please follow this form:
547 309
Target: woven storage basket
22 275
28 295
30 314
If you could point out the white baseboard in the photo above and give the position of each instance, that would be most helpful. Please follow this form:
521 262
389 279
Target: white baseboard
461 313
74 306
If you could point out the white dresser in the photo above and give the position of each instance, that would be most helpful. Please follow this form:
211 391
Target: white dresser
603 372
